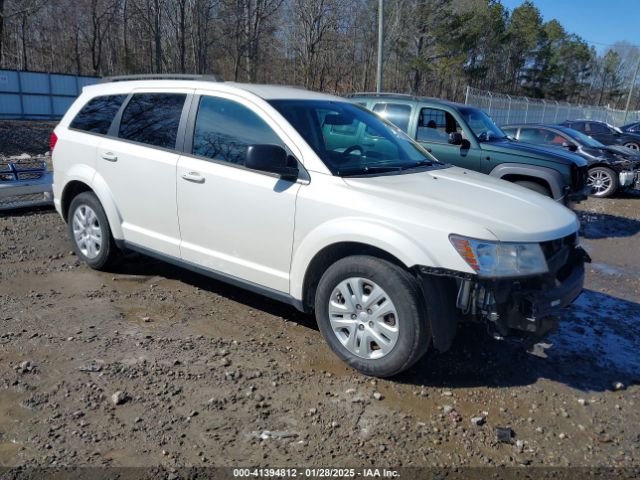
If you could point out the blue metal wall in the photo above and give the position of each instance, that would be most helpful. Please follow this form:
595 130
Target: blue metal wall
31 95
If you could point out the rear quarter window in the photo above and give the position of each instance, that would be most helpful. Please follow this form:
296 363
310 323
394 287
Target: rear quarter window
397 113
97 114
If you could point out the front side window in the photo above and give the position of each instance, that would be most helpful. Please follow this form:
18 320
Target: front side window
375 146
481 124
96 116
435 125
542 136
598 128
224 129
152 119
397 113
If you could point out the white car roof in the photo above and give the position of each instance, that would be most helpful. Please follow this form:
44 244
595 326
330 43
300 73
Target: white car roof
266 92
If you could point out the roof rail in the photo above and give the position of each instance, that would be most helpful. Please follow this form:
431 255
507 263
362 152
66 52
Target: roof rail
380 94
162 76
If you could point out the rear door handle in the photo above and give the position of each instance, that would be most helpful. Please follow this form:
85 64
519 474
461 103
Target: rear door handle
193 177
110 157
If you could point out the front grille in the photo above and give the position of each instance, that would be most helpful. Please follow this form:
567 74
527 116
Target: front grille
552 247
11 172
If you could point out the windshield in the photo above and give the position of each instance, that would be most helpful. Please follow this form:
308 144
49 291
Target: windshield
585 140
482 125
351 140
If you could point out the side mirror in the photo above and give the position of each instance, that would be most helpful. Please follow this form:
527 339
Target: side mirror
455 138
570 146
271 159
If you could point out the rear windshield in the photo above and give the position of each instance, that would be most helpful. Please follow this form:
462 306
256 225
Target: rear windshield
96 116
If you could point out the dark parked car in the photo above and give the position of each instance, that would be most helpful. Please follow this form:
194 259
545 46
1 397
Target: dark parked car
605 133
631 128
611 168
467 137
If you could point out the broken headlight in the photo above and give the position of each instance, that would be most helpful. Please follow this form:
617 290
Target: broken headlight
498 259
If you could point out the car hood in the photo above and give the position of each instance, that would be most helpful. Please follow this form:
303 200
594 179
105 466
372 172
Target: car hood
471 201
625 152
615 155
630 137
552 154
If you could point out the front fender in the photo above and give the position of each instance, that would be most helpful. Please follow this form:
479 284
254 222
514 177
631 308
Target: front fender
552 177
353 230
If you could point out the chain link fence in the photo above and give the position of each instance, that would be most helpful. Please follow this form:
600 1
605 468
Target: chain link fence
506 109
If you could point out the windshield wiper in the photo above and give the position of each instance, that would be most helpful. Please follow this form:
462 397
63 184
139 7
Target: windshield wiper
421 163
349 172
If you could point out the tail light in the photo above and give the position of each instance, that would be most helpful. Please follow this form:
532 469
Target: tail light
53 141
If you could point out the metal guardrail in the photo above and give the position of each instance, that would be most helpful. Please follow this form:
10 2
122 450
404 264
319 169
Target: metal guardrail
38 95
505 109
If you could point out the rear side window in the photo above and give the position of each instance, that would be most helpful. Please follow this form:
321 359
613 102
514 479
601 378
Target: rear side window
152 119
96 116
396 113
598 128
224 129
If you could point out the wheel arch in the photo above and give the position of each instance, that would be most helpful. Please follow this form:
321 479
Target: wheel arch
547 177
331 254
79 184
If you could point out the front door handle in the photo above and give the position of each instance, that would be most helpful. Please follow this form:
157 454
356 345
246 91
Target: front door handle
193 177
111 157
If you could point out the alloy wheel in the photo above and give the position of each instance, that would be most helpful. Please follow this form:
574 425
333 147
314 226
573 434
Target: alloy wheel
600 181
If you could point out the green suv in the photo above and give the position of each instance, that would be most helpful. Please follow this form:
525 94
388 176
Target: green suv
467 137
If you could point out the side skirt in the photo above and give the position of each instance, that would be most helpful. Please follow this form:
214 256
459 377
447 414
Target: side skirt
222 277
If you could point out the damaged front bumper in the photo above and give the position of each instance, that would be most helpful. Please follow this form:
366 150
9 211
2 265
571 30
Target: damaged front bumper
522 309
629 178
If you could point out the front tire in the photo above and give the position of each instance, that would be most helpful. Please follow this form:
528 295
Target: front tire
633 146
90 233
604 182
370 312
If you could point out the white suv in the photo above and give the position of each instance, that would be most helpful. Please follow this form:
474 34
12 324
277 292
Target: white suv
314 201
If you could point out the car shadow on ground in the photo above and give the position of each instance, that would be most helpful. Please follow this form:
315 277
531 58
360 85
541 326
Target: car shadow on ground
597 344
136 264
595 226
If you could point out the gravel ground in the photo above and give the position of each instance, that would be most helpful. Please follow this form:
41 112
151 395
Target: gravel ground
152 365
30 137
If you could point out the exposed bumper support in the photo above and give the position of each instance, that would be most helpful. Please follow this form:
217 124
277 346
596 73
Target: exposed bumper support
525 309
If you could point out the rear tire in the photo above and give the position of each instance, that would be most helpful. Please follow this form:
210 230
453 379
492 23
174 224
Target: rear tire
90 233
633 146
536 187
380 325
604 182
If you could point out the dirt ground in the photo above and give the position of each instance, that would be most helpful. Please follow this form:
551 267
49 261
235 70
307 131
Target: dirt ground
209 374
